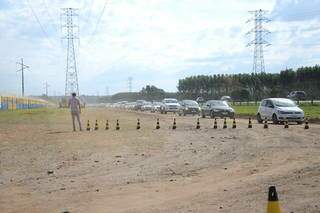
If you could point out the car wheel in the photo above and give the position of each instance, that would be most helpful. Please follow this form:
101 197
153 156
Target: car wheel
203 115
275 119
165 112
211 114
259 119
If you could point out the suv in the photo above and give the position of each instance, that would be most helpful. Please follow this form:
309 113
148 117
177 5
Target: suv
297 95
279 110
217 108
169 105
189 107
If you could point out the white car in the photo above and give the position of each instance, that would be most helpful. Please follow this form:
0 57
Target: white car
169 105
279 110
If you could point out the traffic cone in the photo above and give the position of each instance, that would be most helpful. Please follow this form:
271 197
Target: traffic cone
234 125
88 126
174 124
96 126
306 124
225 123
107 125
250 123
198 124
138 124
117 126
265 126
215 125
273 202
158 124
286 125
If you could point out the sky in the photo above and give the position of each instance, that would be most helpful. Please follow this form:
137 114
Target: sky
156 42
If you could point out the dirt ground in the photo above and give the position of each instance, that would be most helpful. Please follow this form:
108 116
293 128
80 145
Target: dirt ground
45 167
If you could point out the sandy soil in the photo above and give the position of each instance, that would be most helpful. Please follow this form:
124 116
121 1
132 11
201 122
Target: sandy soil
148 170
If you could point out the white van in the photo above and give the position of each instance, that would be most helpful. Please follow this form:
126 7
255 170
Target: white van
279 110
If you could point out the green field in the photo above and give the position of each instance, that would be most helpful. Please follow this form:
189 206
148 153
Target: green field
311 112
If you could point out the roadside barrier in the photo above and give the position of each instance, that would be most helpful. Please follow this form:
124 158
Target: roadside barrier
273 201
174 126
96 126
138 124
198 124
265 126
306 124
225 123
13 103
250 123
215 125
88 126
107 125
234 125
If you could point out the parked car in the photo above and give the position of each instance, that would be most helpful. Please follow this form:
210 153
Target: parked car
279 110
169 105
156 106
217 108
139 104
146 106
297 95
189 107
225 98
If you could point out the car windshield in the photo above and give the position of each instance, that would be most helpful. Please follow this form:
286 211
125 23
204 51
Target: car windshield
170 101
284 103
218 103
190 103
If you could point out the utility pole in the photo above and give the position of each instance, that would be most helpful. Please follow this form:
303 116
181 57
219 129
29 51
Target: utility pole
46 85
259 42
107 91
23 67
70 32
130 84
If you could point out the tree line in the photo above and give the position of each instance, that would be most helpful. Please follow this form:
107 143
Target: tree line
252 87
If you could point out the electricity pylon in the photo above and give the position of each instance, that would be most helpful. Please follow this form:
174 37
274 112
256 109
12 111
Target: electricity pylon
259 41
70 32
23 67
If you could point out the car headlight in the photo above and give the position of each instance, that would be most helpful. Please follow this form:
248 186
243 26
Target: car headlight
282 112
216 110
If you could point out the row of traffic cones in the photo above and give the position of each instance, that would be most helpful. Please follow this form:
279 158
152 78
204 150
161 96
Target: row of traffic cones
174 126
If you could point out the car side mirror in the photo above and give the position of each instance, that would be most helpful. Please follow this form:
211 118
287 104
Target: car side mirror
208 105
271 106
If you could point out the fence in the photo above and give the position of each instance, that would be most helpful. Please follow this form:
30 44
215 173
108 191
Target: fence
13 103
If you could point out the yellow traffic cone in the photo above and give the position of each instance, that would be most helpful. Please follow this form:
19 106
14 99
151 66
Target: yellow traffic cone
286 124
250 123
158 124
234 125
306 124
107 125
225 123
198 124
215 125
138 124
88 126
117 126
265 126
174 124
273 202
96 126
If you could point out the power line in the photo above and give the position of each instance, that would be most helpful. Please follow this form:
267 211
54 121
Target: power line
99 18
38 21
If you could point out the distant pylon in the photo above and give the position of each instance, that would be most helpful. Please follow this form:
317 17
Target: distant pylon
259 42
70 33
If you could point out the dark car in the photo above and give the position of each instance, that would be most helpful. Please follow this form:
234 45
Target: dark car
217 108
297 95
139 104
189 107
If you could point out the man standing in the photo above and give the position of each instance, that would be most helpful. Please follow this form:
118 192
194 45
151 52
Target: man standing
75 108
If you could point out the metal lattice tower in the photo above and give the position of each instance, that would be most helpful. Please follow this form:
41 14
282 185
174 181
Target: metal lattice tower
259 42
70 32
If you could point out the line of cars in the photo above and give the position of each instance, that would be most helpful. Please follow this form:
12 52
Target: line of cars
276 110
